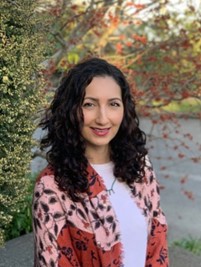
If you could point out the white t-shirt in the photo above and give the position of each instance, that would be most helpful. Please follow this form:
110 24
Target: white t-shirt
132 222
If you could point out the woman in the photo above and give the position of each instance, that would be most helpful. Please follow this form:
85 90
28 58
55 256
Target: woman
97 202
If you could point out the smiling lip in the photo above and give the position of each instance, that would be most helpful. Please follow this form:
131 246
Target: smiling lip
100 132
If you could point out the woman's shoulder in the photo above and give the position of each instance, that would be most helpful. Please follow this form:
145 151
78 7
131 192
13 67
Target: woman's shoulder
47 171
46 177
46 182
46 189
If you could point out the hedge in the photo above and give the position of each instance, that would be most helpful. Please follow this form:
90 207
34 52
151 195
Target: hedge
21 51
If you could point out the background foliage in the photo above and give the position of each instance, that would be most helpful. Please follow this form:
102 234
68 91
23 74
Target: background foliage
20 54
155 43
191 244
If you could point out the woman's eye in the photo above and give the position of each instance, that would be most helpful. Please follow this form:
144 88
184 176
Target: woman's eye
115 104
88 105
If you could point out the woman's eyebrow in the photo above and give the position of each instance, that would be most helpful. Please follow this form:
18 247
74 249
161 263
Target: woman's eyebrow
115 98
91 98
96 99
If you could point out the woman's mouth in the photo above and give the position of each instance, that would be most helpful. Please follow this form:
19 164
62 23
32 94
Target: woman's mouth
100 131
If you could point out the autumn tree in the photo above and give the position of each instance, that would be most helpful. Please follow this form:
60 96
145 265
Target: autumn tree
156 44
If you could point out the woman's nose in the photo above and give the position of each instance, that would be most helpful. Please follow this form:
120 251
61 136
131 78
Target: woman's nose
102 116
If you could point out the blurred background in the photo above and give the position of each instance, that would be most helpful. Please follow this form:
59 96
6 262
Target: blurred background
157 45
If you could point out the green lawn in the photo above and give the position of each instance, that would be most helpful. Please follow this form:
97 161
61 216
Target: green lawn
190 105
190 244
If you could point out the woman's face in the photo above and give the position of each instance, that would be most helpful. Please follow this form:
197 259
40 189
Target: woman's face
103 112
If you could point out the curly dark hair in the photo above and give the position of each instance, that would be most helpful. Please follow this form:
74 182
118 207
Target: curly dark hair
63 122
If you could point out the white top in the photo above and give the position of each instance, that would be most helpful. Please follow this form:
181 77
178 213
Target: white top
132 222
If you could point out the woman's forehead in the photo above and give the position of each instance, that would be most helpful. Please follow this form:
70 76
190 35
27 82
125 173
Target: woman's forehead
103 87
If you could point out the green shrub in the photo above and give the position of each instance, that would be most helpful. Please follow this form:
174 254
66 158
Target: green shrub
190 244
22 220
20 54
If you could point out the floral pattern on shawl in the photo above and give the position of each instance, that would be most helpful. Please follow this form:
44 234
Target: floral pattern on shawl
87 233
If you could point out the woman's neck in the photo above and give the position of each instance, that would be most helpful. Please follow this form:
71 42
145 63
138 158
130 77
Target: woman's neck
98 155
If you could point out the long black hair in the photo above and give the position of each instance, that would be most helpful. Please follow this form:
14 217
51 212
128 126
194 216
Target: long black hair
63 122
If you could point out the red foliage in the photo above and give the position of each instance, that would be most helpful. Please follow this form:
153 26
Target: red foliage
137 6
119 48
162 168
167 176
129 44
181 156
183 180
165 135
189 194
142 39
196 160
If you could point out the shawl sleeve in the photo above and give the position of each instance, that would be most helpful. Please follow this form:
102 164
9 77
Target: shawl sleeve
48 224
157 248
